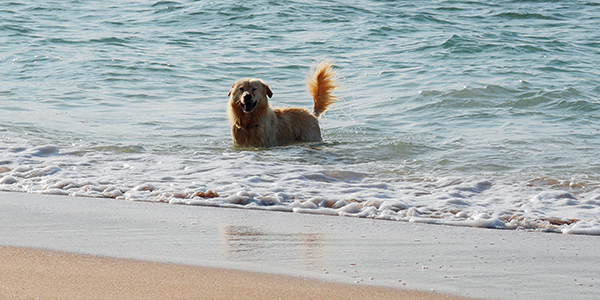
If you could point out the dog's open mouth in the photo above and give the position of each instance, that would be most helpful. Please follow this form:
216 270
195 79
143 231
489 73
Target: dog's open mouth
248 106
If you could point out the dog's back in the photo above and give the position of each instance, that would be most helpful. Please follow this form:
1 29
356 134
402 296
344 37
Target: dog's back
296 125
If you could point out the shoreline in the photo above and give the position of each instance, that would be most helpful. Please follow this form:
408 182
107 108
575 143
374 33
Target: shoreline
29 273
460 261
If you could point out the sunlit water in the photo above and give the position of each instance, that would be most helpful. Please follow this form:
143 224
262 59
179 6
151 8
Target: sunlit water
462 113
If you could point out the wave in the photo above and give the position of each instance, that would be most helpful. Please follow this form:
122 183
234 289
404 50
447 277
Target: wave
253 180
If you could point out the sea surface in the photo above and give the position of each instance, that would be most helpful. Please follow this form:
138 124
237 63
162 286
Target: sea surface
465 113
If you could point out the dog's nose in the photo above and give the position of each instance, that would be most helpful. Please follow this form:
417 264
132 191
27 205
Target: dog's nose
247 97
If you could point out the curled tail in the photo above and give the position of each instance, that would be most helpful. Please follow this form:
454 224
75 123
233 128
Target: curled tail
320 84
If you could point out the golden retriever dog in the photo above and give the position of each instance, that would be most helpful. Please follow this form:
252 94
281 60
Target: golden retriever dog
255 124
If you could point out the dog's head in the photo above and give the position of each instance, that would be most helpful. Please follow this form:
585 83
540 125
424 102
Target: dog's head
249 93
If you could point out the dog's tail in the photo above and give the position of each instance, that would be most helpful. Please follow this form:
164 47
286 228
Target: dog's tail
320 85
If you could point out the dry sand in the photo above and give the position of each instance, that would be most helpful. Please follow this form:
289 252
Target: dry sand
27 273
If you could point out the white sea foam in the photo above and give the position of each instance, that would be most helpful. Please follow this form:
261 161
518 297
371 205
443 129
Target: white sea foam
243 179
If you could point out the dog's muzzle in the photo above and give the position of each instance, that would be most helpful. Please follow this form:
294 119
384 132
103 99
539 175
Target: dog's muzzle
248 104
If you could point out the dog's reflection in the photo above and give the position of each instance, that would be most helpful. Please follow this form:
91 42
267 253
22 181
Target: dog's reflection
250 244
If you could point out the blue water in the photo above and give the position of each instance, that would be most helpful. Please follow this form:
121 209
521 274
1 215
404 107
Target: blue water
453 112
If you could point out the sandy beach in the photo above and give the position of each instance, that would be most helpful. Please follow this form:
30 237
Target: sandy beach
38 274
104 248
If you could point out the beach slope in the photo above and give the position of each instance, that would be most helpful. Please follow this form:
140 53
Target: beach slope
108 247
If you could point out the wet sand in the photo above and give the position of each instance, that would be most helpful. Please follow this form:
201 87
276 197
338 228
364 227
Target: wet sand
37 274
161 248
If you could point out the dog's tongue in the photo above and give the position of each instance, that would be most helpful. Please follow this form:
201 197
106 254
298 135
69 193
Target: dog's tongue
247 107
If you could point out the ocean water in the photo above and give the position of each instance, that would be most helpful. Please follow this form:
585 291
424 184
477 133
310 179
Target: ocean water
465 113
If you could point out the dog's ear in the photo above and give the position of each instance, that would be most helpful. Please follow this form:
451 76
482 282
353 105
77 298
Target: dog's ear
230 90
269 93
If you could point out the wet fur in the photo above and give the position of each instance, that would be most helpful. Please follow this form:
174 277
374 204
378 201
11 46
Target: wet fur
255 124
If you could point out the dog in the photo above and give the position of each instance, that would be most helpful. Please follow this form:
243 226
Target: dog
255 124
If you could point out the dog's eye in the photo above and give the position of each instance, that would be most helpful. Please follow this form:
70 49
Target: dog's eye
254 89
241 89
